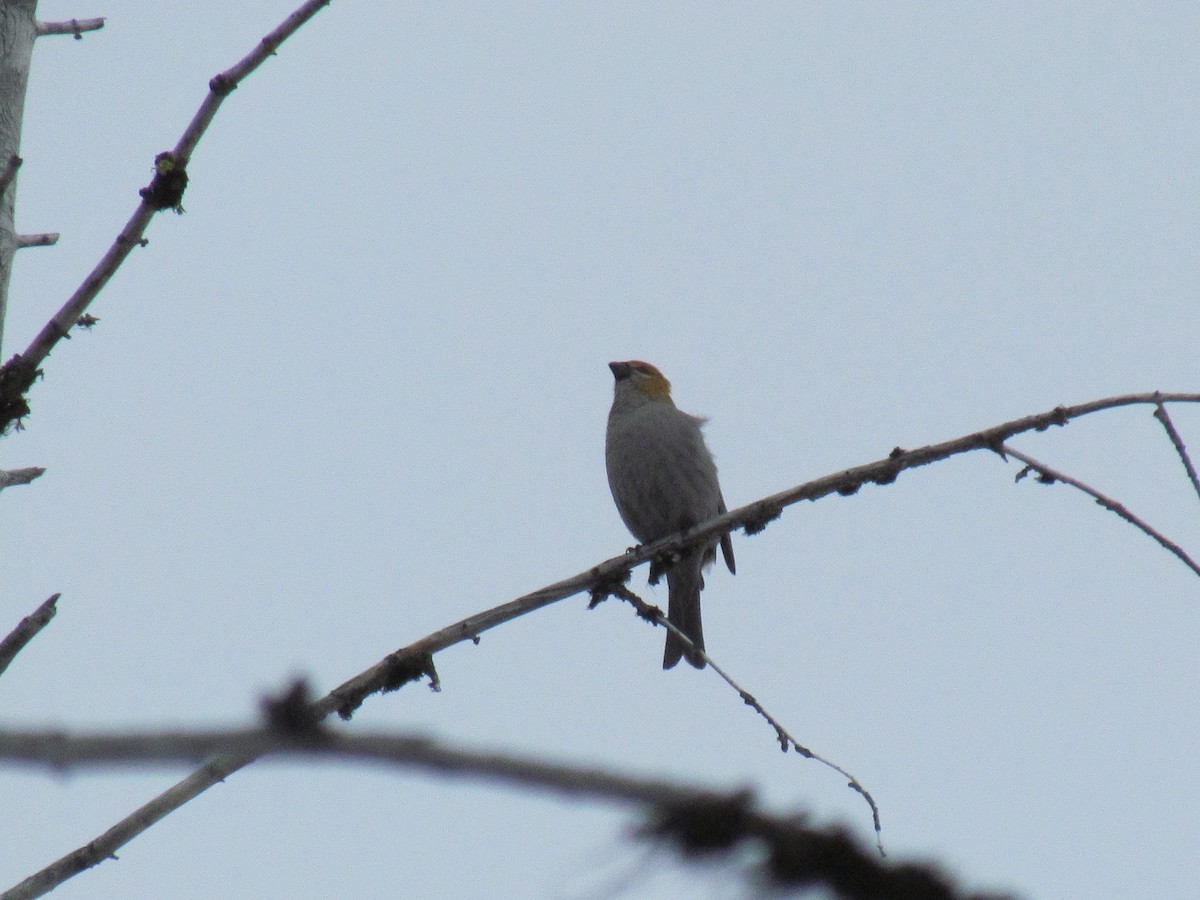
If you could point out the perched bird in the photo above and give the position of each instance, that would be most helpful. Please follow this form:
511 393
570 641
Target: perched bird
664 480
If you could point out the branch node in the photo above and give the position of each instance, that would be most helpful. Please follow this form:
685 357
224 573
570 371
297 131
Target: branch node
887 474
16 377
605 589
704 826
761 520
805 752
404 667
293 713
222 85
1057 416
165 191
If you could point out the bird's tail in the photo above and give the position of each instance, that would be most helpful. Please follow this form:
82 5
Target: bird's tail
684 582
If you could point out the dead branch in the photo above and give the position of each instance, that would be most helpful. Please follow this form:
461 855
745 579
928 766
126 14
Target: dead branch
27 629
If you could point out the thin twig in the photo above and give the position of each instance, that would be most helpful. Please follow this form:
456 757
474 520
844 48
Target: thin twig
27 629
653 614
687 817
1160 413
1049 476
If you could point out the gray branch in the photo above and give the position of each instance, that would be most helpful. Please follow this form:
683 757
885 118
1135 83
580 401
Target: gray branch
45 239
10 477
72 26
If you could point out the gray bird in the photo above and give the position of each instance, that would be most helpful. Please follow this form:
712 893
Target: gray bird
663 480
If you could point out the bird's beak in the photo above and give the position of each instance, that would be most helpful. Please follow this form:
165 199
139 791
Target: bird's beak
620 369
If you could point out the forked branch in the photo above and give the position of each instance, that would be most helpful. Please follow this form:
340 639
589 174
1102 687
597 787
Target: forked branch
415 661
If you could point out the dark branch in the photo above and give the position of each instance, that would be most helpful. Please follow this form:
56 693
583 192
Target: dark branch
27 629
698 823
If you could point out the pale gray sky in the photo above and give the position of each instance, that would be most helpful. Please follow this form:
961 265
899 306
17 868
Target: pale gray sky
358 391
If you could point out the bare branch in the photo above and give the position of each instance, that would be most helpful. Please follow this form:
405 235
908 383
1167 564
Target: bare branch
415 661
169 166
696 821
45 239
223 84
1049 476
73 26
27 629
1160 413
10 477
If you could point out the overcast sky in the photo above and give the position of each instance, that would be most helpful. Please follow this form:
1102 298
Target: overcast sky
358 391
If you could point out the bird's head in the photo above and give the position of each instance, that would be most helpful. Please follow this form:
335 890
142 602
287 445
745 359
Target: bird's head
635 377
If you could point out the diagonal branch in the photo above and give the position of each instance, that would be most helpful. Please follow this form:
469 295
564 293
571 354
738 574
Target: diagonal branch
415 661
1160 413
27 629
19 373
1049 476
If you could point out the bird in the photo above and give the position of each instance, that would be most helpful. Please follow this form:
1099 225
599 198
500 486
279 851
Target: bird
664 480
